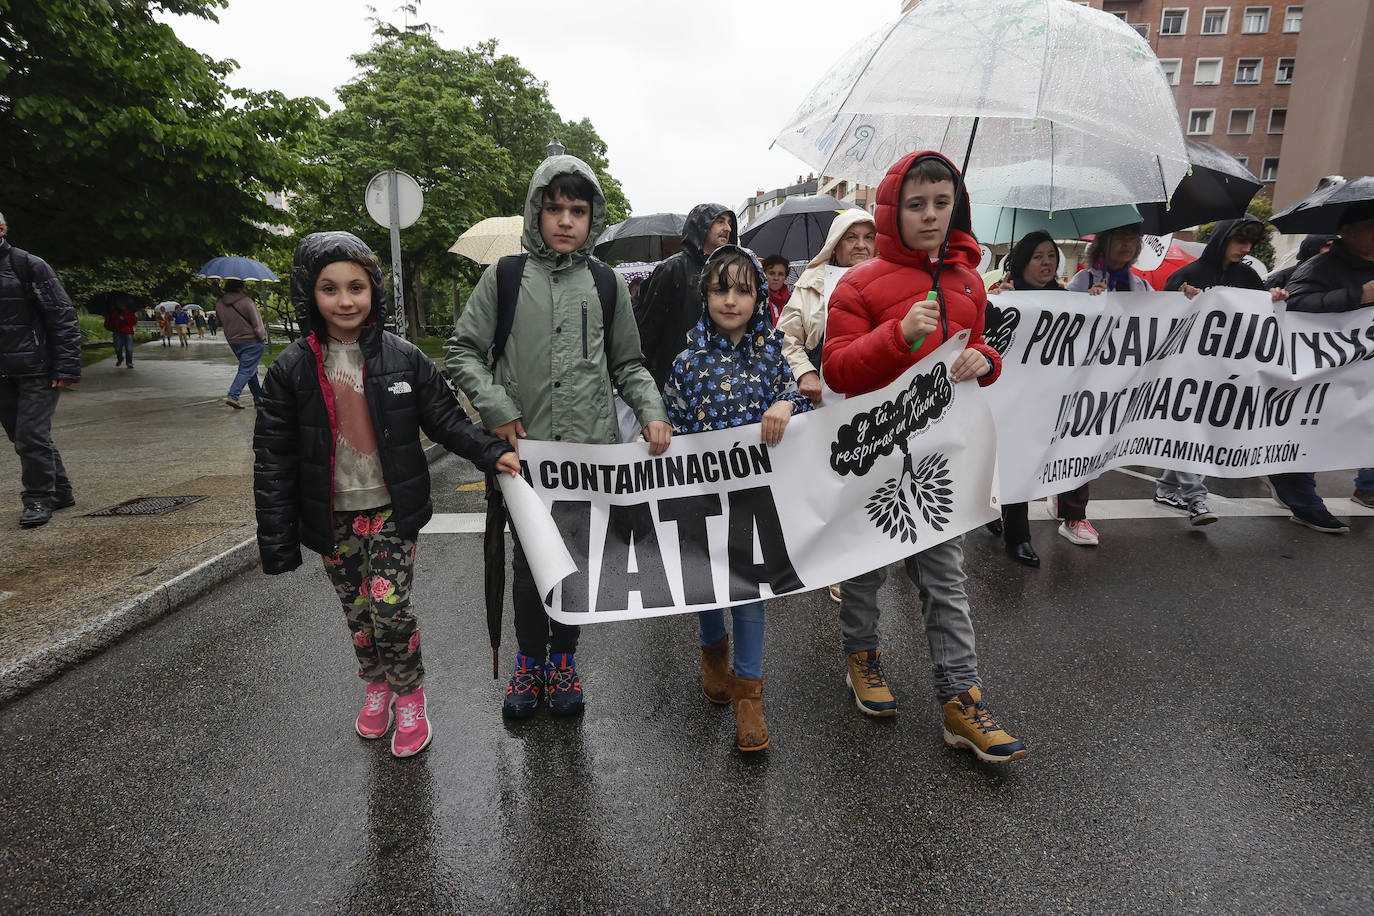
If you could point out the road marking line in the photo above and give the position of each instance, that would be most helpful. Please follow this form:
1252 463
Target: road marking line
456 523
1100 509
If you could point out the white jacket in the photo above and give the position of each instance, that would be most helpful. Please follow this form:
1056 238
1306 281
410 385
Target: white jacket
802 319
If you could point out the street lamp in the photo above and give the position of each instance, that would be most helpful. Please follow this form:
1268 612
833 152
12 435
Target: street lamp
554 148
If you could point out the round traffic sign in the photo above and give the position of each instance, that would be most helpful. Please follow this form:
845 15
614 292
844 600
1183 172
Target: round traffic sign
409 200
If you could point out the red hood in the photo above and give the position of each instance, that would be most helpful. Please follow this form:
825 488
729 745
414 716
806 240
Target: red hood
962 247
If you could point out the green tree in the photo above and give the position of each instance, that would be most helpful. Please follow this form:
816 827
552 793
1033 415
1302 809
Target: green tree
1261 208
118 141
470 125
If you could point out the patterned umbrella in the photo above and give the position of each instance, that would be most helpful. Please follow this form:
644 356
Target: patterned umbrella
491 239
230 268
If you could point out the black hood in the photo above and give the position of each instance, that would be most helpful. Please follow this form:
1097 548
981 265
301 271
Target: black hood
316 252
1215 252
698 221
1313 244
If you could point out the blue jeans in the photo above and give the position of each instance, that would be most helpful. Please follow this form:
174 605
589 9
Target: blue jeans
124 348
249 354
748 649
1298 491
1364 480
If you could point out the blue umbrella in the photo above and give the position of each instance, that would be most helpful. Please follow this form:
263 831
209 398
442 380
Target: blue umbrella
235 269
1005 225
796 229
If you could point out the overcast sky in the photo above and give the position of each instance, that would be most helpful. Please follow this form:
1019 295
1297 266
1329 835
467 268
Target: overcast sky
687 96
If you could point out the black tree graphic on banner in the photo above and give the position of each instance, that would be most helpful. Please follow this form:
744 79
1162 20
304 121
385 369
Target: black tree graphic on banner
925 488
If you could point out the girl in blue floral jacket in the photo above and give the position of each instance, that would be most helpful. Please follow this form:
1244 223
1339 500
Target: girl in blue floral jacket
733 374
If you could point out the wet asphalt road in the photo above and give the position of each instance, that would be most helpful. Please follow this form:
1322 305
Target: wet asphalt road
1196 703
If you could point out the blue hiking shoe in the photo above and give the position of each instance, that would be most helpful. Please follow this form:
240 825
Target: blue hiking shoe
564 686
525 689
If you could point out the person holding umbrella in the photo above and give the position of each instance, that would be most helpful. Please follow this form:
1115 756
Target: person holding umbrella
1032 265
244 331
120 321
325 477
1109 256
669 303
1222 264
1340 279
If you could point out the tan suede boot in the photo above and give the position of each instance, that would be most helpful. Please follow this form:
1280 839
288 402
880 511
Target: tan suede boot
715 671
751 732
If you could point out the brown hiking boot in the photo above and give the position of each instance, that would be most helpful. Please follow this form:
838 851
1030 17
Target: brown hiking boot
865 677
969 724
751 732
715 671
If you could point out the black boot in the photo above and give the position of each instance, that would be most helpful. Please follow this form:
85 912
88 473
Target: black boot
35 513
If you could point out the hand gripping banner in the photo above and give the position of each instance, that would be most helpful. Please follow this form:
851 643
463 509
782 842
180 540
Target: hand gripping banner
721 518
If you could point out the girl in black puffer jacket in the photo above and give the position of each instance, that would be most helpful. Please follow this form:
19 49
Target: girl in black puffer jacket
339 468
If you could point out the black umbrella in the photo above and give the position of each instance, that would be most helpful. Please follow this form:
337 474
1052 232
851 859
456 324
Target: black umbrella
101 303
494 567
641 238
1218 187
1321 211
796 229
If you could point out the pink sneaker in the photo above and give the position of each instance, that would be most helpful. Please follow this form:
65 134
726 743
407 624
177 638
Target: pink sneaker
375 717
1080 531
413 733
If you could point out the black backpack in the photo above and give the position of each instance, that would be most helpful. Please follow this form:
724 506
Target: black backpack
511 268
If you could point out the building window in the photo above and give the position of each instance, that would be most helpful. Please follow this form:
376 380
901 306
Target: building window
1174 22
1278 117
1214 20
1243 160
1207 71
1171 67
1200 120
1242 121
1248 70
1283 73
1142 28
1256 20
1269 171
1292 19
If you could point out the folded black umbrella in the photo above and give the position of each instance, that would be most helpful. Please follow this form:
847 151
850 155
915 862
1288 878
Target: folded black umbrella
1321 211
494 567
1218 187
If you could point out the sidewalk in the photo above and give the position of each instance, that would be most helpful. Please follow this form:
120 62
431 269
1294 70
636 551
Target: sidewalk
76 584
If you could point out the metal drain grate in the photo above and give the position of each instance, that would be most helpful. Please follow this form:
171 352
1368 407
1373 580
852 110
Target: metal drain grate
147 505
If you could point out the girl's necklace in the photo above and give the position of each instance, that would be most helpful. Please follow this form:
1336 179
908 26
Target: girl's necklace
346 343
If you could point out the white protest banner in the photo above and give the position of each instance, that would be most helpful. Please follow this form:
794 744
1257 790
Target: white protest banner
1229 384
722 519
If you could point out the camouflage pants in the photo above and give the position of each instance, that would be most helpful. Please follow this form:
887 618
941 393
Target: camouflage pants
372 570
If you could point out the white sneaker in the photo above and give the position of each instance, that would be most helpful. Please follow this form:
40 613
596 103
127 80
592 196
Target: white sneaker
1080 531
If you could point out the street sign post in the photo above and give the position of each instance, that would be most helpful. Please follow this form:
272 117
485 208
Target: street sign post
394 200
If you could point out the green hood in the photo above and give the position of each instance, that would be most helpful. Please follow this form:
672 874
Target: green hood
534 243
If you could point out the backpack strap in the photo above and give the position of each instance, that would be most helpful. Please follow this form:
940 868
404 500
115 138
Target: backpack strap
23 268
607 284
509 270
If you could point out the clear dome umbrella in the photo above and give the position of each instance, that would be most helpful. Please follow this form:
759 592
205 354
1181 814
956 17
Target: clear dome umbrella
1040 98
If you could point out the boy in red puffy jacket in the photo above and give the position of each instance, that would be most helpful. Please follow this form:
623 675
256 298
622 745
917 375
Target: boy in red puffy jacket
879 325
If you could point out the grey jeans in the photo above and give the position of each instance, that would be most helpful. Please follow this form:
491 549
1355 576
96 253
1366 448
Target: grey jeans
938 574
26 409
1190 486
